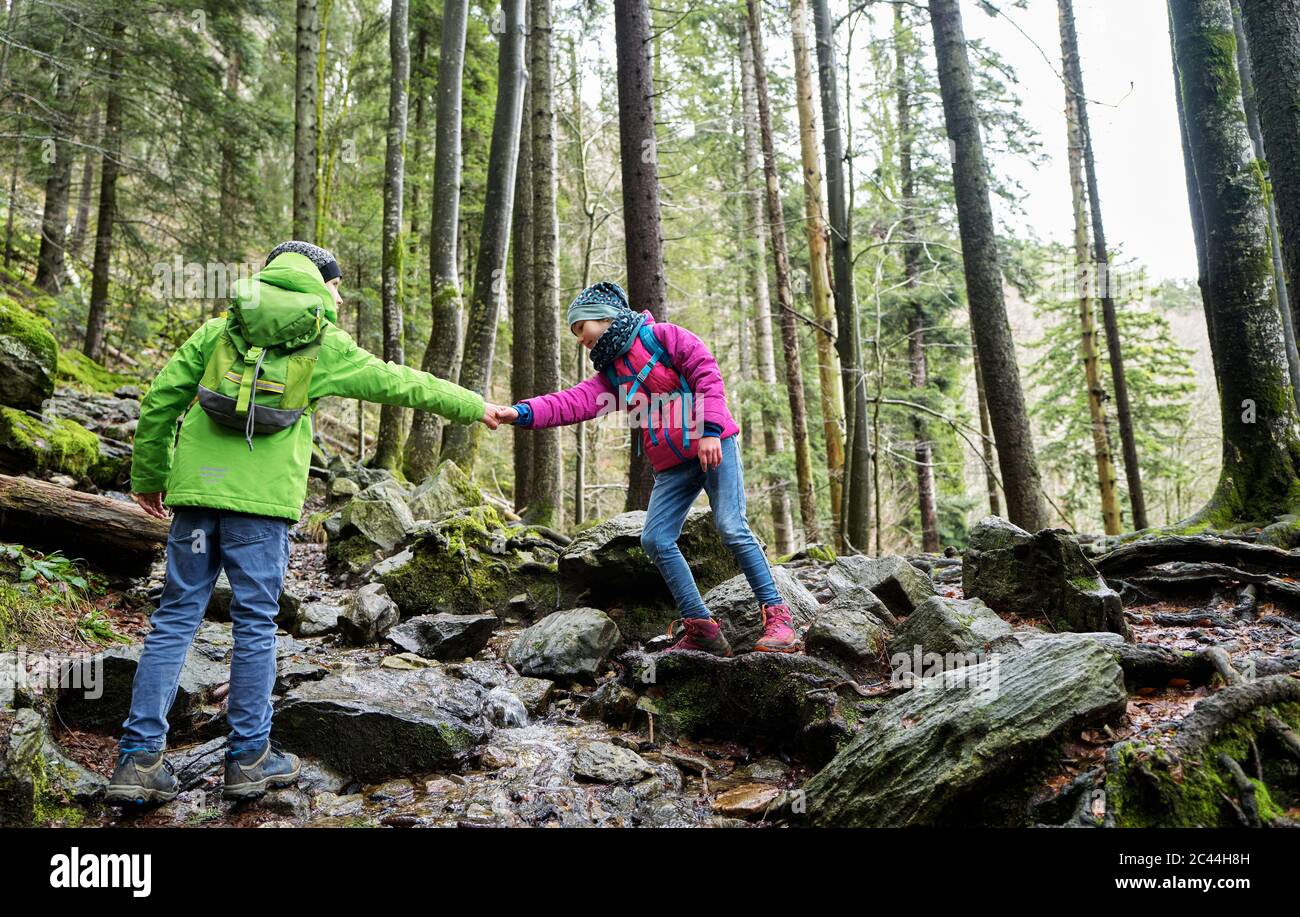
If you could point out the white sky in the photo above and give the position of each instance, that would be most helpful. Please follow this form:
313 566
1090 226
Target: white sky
1128 78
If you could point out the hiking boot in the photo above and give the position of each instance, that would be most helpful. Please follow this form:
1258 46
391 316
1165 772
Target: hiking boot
141 777
254 772
779 635
701 634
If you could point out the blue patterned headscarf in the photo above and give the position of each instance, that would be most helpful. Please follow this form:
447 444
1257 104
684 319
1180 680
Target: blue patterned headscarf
605 299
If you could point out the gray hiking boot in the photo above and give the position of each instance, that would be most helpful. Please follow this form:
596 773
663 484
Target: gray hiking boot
251 774
140 778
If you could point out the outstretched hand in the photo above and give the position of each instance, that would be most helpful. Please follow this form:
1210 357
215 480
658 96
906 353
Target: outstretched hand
495 414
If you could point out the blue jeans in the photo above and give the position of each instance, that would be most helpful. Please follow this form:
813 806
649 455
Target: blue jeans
675 489
254 550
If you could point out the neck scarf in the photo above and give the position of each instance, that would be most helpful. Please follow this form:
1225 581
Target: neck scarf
617 339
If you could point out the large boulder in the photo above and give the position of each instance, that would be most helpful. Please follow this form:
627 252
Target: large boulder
44 444
571 644
891 579
737 611
443 636
470 562
29 357
605 566
383 722
791 700
1042 576
942 625
848 631
380 514
446 490
968 746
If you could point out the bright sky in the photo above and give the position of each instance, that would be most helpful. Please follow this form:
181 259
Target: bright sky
1128 78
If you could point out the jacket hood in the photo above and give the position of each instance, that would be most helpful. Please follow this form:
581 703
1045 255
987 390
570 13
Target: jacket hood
284 304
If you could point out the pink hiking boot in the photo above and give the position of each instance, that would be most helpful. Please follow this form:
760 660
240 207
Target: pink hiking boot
779 635
701 634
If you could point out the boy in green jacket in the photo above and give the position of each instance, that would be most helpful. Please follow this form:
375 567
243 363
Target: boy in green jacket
236 492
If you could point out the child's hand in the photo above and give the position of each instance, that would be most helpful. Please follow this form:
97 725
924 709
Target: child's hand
501 414
491 418
710 453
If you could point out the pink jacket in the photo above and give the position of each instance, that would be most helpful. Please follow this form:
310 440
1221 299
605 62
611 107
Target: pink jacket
671 426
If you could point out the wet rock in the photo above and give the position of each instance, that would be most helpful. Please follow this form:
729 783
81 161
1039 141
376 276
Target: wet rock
315 619
99 690
606 564
751 800
943 625
737 611
847 630
603 762
1042 575
534 692
368 616
969 746
610 703
790 700
469 562
408 661
891 579
378 723
502 708
565 645
443 636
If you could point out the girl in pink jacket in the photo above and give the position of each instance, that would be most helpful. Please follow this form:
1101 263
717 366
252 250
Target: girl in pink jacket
670 382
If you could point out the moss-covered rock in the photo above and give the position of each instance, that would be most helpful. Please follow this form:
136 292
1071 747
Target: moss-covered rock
81 372
469 562
30 444
29 357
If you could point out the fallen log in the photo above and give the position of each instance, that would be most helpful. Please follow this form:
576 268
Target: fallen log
112 534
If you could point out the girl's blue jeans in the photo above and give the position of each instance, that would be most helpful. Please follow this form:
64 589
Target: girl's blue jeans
675 489
254 550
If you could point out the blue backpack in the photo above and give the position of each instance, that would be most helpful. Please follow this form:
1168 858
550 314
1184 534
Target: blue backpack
657 355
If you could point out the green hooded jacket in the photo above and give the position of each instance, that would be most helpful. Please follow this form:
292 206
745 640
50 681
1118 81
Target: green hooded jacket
211 465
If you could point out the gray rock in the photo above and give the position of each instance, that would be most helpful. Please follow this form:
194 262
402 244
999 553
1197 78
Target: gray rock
848 631
737 611
603 762
898 584
502 708
610 703
316 619
567 644
380 722
368 616
443 636
1042 575
943 625
380 514
965 748
39 784
444 491
534 692
343 488
29 356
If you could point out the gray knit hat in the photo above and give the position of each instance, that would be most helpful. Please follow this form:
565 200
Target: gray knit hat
605 299
321 257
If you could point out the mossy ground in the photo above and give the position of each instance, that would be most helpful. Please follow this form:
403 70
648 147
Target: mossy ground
80 371
58 445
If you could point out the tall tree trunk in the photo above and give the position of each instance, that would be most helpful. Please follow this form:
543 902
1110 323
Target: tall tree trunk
989 456
828 364
81 223
1273 30
1106 481
443 352
546 504
1252 120
856 518
388 442
773 432
639 160
988 313
1101 258
521 297
918 370
304 121
50 263
96 319
460 443
784 294
1260 474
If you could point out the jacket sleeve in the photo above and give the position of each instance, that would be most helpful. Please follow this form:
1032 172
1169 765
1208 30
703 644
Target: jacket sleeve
692 358
589 399
168 397
348 371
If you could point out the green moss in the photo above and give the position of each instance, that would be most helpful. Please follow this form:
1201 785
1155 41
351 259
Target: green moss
1148 787
80 371
50 446
32 330
51 804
